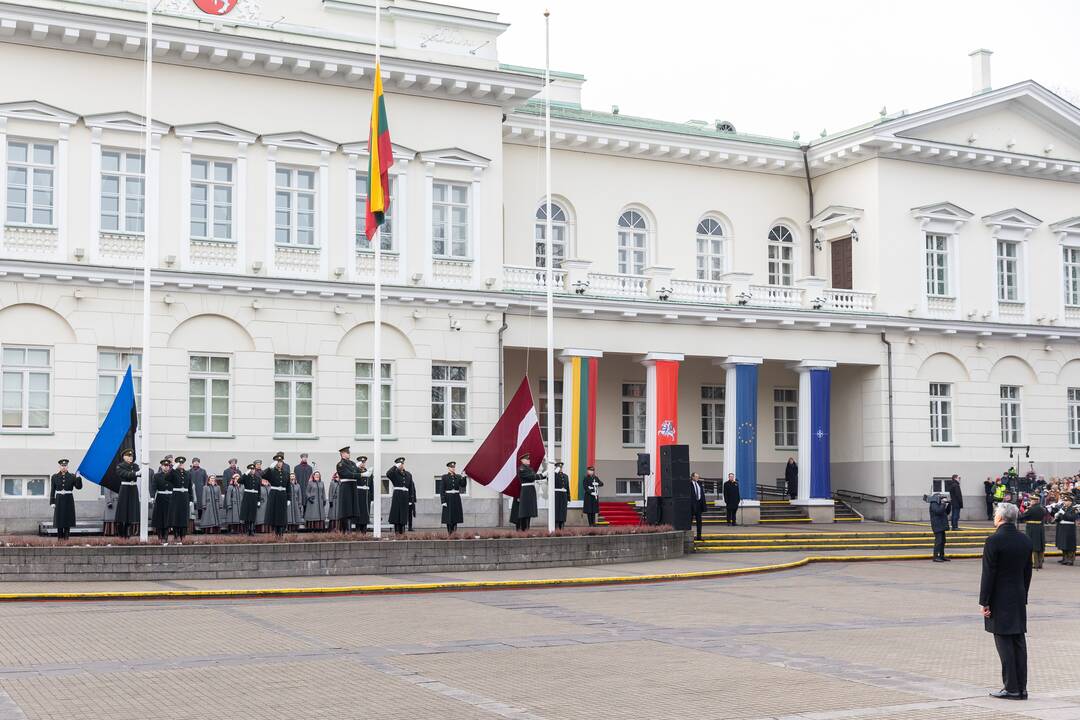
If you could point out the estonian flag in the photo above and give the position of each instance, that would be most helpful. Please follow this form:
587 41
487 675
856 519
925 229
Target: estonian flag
116 434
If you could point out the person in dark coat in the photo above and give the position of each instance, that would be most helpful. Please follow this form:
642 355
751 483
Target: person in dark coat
315 510
62 499
183 496
365 485
210 514
303 470
277 502
347 500
590 488
412 498
526 500
198 481
234 498
450 495
791 478
161 492
249 506
988 490
697 501
226 475
561 487
399 479
956 500
1003 595
1033 518
1065 534
939 523
731 498
127 504
296 503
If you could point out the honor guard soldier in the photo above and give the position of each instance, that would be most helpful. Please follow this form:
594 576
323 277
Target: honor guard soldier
127 505
561 488
249 506
62 499
525 508
591 485
364 486
347 500
183 496
399 478
412 498
452 485
277 504
161 492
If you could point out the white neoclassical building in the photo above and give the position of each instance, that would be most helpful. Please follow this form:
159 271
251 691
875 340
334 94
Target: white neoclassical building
921 270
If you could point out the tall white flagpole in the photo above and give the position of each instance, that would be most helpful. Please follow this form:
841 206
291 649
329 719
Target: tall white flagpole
148 255
376 365
550 274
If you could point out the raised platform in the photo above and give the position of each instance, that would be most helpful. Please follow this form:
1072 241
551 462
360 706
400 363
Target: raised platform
312 558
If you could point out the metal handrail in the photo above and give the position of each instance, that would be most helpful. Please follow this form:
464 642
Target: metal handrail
860 496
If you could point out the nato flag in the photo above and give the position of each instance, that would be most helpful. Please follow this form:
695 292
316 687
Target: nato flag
116 434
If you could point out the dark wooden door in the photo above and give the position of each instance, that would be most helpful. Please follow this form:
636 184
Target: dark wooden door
841 263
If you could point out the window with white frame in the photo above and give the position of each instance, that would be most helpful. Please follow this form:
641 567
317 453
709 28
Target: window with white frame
559 226
365 396
628 486
208 394
294 385
1074 416
785 418
212 183
1071 258
24 486
449 400
450 220
1010 415
937 265
294 206
558 410
31 182
781 256
633 233
941 417
27 387
711 249
123 191
633 414
112 366
1008 276
386 230
712 415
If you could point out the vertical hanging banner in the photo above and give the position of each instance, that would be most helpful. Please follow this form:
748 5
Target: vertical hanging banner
746 377
820 482
667 414
580 374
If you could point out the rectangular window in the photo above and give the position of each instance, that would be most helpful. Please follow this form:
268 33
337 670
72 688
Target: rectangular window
208 394
785 418
937 265
628 486
1074 416
710 257
941 420
23 486
633 414
212 200
365 392
712 415
1008 278
27 387
449 401
31 182
781 264
386 230
558 410
1072 276
123 191
450 220
112 365
294 207
294 384
1010 415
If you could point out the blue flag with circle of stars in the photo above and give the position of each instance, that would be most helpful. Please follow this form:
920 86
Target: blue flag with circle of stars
746 377
820 485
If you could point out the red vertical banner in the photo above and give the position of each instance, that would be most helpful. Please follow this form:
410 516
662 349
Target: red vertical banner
667 413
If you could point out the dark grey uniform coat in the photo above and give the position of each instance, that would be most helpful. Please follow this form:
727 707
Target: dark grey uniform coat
452 485
127 504
315 509
62 499
211 510
562 496
277 504
400 509
296 504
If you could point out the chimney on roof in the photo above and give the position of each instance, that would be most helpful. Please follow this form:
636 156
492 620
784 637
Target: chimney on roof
980 70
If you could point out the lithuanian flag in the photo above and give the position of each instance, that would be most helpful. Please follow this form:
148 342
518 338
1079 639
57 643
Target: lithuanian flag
382 157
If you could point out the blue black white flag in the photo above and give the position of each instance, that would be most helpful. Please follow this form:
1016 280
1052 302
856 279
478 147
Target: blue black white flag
115 435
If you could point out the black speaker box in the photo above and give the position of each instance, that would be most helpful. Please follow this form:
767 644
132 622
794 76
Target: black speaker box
652 511
676 513
675 471
644 464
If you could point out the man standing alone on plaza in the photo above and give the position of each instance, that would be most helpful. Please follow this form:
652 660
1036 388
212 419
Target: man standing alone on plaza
1003 595
956 500
731 498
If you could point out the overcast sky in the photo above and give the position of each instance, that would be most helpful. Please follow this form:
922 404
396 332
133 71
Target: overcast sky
776 66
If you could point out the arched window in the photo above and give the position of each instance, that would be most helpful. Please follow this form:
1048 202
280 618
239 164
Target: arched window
559 226
711 249
781 256
633 242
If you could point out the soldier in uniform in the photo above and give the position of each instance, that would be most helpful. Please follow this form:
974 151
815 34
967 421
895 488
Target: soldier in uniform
364 485
450 495
296 503
161 492
234 497
127 504
277 505
399 479
210 515
526 501
303 472
62 499
591 485
315 509
249 505
561 488
348 502
412 498
183 495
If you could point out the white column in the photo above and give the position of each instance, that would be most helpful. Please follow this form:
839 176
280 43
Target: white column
3 176
805 429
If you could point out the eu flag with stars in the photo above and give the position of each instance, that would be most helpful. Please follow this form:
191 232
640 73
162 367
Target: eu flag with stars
746 377
114 435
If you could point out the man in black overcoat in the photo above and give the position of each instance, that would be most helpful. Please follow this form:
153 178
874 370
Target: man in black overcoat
1003 595
400 510
348 499
731 497
127 505
249 505
526 500
277 508
561 486
62 499
939 523
697 501
451 485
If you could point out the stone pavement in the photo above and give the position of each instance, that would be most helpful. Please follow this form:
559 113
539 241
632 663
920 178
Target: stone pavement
825 642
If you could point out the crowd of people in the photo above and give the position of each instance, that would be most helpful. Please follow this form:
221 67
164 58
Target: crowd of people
1040 502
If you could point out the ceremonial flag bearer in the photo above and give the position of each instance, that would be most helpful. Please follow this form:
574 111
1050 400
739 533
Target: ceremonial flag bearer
127 505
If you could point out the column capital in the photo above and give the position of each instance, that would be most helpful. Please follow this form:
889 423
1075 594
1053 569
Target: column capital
654 357
570 353
733 360
806 365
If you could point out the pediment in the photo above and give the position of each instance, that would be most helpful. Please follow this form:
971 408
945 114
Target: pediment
1068 226
943 211
834 215
215 131
125 122
1013 218
401 153
37 111
300 141
455 156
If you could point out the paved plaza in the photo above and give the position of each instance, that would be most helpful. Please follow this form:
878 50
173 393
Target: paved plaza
839 640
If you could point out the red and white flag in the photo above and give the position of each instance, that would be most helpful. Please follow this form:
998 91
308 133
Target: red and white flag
517 431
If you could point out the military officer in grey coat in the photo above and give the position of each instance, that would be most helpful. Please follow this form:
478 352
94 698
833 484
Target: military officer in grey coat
296 503
210 515
62 499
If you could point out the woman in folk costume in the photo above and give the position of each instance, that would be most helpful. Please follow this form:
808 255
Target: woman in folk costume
264 497
210 519
127 504
161 493
296 504
234 497
335 492
108 512
315 509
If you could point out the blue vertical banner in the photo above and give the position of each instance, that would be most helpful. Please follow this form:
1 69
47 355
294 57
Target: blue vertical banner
820 482
116 434
746 377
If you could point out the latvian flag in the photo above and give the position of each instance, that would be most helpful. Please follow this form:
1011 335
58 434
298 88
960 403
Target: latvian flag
517 431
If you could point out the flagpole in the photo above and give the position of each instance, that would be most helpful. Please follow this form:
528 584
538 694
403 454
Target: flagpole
148 254
550 272
376 366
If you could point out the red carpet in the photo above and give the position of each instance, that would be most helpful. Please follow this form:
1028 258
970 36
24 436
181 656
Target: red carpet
619 513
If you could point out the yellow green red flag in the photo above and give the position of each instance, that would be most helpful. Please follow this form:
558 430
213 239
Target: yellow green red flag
381 158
